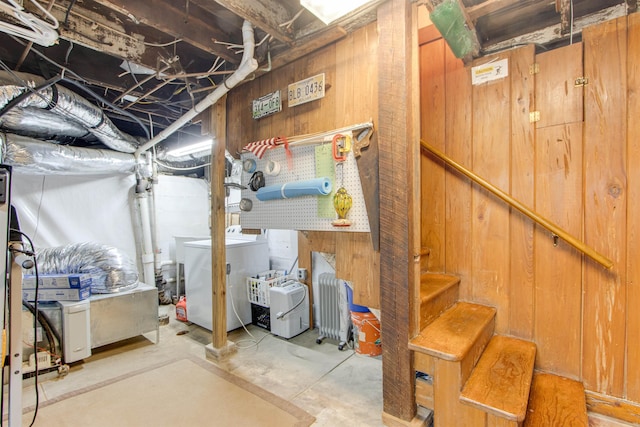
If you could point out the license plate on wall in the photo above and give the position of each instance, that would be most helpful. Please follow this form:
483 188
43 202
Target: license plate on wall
306 90
267 105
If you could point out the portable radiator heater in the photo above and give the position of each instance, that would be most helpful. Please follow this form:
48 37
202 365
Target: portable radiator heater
289 310
333 311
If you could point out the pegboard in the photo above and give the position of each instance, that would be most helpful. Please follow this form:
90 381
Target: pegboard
303 213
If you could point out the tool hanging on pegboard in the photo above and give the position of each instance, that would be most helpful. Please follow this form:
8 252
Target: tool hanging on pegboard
342 201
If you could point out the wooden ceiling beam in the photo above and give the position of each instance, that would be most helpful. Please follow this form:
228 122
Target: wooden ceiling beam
178 22
90 30
488 7
268 15
564 8
308 44
552 34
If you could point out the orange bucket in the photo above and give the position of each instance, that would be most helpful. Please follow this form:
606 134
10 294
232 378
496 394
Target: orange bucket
366 333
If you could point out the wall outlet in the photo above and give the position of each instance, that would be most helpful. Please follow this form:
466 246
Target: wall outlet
302 274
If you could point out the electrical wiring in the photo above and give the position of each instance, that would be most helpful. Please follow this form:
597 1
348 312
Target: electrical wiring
54 356
35 305
162 44
293 265
66 15
114 107
571 29
254 341
18 99
50 332
66 56
4 342
304 295
22 82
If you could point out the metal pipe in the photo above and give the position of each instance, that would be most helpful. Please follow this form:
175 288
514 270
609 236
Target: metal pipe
555 229
247 66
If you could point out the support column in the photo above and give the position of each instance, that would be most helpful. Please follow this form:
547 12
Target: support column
399 146
220 346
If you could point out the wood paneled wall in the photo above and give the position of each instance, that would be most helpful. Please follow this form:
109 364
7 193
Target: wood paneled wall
579 166
351 76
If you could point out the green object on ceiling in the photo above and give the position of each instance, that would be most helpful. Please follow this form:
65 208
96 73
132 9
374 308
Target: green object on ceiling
449 20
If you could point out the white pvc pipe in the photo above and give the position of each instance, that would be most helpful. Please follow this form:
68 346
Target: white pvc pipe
248 65
148 264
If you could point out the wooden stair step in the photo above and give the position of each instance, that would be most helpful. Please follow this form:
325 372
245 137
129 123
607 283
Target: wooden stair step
452 335
556 401
500 382
438 292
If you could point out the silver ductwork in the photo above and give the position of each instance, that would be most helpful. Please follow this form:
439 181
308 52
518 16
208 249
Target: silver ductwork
31 156
61 101
39 123
111 270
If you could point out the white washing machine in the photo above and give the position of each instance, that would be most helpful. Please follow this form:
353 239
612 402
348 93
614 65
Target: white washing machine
247 255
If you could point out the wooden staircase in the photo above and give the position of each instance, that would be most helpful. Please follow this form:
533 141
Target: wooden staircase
470 377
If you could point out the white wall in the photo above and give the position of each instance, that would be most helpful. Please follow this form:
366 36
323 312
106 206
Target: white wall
182 209
283 249
56 210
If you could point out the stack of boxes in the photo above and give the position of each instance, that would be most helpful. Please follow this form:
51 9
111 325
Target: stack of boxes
57 287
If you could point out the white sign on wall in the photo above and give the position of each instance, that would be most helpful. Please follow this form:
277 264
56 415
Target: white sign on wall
493 70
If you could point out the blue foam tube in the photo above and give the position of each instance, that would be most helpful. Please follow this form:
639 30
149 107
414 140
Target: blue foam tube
311 187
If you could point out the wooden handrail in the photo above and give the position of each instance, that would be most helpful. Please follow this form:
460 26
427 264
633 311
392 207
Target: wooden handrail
556 230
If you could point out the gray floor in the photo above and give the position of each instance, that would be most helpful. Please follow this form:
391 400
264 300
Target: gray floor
336 387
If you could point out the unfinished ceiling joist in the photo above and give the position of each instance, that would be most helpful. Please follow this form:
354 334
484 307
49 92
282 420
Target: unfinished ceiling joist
488 7
177 22
90 30
308 45
564 8
553 33
268 15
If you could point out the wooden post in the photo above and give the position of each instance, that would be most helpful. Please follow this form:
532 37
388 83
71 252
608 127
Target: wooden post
399 203
217 129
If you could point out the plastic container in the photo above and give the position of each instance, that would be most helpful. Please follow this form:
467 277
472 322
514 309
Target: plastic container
366 333
181 309
354 307
261 316
258 287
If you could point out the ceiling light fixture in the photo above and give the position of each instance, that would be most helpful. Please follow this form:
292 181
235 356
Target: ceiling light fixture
330 10
198 147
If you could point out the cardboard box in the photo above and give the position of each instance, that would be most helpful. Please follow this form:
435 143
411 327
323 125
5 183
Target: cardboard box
57 294
57 281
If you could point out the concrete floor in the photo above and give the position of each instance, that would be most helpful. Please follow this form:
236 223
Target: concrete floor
336 387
